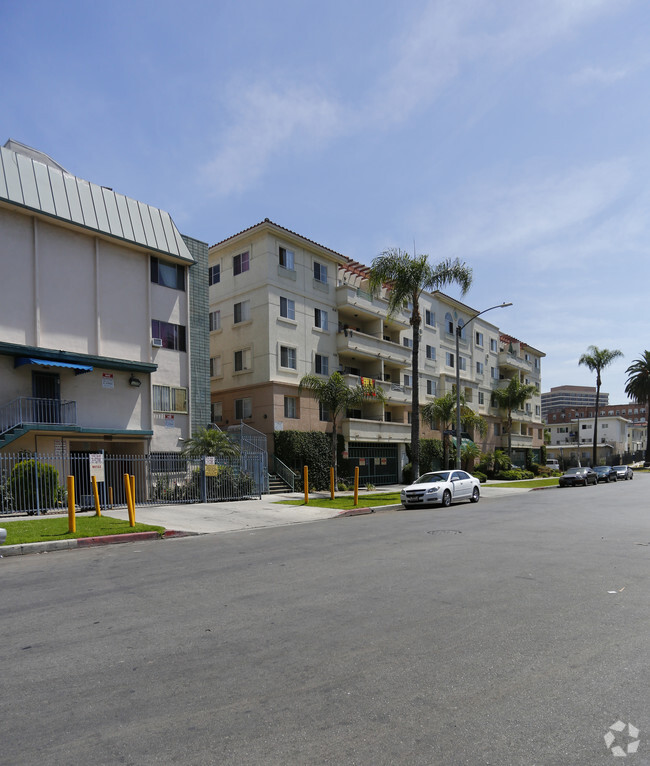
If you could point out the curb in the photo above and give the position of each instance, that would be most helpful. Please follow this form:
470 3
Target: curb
354 512
88 542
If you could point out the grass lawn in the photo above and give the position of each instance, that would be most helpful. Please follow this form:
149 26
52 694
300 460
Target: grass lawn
46 529
346 502
552 481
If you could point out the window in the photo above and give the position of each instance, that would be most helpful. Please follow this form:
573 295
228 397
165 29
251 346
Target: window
287 308
286 259
461 327
481 397
527 357
478 338
430 318
242 359
462 363
320 319
216 412
322 364
290 407
288 357
216 370
242 312
537 363
172 335
431 387
169 399
494 373
449 359
497 429
214 275
167 274
408 380
320 272
409 417
215 320
240 263
479 368
537 409
408 342
493 345
243 409
449 323
431 353
323 412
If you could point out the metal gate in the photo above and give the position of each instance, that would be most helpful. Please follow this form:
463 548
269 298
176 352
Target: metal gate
378 464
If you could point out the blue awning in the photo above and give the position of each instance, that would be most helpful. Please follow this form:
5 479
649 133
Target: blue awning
78 368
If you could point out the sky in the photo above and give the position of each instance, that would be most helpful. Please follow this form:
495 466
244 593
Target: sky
511 134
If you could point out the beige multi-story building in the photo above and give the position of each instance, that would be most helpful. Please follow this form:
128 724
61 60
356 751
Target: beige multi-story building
283 306
103 326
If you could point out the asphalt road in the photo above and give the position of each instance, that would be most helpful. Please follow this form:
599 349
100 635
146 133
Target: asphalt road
515 631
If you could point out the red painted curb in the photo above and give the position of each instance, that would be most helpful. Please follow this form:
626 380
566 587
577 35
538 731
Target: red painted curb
109 539
357 512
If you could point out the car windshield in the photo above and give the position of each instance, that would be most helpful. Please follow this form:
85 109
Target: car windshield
430 478
573 471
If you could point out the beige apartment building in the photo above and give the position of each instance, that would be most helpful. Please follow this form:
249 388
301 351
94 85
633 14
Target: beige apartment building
282 306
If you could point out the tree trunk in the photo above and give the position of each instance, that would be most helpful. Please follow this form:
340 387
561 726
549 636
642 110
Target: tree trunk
415 398
336 473
594 451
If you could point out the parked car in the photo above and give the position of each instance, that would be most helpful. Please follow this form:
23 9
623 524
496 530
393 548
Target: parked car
605 473
623 471
575 476
441 487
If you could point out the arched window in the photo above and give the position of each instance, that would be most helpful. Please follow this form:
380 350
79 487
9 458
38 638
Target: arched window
449 323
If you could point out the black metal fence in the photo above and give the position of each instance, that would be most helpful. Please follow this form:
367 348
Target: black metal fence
35 484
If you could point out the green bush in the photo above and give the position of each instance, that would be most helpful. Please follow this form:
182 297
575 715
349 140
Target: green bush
314 450
407 474
514 474
480 476
33 486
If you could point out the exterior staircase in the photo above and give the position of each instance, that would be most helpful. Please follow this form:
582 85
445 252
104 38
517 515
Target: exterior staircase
278 485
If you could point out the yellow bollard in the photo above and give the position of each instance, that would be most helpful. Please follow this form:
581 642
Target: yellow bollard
72 521
356 485
132 519
129 499
110 496
305 481
332 483
98 510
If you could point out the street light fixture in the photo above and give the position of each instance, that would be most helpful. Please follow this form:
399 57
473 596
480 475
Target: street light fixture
458 331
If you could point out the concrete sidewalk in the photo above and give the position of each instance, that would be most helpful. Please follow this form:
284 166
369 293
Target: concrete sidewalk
230 516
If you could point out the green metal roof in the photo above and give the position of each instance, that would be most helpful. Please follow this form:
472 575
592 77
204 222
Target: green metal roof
70 358
33 180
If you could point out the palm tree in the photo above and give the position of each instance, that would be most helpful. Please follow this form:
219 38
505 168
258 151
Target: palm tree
638 389
408 276
442 411
513 397
596 359
336 397
210 441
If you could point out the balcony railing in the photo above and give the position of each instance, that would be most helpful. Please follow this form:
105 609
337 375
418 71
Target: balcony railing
358 343
359 429
29 410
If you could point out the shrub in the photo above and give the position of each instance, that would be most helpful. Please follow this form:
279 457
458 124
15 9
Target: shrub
34 486
407 474
313 449
480 476
514 474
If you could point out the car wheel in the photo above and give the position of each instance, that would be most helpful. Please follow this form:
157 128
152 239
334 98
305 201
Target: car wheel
446 498
476 495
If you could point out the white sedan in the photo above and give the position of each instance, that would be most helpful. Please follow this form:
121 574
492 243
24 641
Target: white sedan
441 487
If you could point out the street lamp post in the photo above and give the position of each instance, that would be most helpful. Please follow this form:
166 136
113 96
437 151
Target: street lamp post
458 331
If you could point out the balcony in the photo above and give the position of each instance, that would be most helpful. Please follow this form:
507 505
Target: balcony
31 411
360 301
519 441
355 429
393 392
361 345
514 362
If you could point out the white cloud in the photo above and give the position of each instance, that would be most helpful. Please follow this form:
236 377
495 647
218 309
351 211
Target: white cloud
433 51
591 75
264 123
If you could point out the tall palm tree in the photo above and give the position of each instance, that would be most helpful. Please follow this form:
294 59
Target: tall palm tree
596 359
408 276
513 397
210 441
442 412
638 389
336 397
